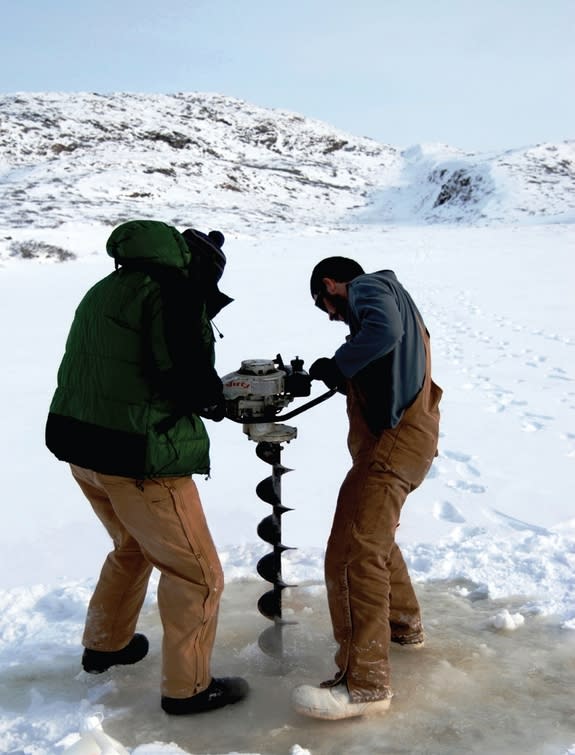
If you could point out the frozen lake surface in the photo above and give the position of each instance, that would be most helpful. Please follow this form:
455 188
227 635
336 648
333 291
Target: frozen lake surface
473 688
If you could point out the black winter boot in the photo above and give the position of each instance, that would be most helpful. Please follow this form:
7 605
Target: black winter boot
97 661
220 692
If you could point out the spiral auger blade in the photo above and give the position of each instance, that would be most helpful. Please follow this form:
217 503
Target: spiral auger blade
269 567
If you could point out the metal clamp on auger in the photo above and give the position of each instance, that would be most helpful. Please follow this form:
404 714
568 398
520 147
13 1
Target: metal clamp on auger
255 395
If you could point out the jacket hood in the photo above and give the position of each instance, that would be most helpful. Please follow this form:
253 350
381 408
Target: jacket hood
148 241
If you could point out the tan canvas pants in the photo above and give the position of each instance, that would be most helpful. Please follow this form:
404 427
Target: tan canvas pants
368 585
159 523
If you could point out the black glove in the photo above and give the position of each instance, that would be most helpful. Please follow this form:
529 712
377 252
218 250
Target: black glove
215 412
326 370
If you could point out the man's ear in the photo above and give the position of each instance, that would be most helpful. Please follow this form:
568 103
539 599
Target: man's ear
330 286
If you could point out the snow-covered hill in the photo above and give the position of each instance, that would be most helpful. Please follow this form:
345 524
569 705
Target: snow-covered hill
106 158
441 184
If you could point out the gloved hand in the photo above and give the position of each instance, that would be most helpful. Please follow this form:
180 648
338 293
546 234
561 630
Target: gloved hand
215 412
326 370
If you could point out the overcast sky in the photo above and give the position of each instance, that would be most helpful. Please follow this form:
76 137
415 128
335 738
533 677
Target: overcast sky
477 74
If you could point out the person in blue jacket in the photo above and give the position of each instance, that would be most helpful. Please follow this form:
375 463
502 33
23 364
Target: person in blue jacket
384 368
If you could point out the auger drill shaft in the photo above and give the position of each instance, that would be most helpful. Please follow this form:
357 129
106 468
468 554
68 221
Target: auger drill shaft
255 395
269 567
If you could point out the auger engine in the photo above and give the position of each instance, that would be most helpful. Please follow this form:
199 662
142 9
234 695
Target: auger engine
259 390
255 396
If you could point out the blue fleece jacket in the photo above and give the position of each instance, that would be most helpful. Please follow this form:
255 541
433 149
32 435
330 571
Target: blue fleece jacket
384 356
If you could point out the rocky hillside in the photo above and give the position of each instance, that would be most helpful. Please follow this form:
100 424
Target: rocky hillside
106 158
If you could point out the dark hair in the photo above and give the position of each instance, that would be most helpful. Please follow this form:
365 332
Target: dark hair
341 269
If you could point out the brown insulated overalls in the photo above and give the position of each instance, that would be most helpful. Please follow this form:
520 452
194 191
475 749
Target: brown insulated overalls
368 585
158 522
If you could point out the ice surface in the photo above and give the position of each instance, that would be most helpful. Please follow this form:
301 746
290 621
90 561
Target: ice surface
472 688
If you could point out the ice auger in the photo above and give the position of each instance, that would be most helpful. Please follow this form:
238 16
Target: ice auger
255 395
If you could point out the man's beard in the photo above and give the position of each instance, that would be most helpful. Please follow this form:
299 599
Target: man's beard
339 303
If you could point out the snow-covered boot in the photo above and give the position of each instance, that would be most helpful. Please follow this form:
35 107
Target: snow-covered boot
333 703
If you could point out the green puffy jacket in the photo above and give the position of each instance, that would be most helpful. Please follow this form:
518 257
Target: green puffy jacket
138 365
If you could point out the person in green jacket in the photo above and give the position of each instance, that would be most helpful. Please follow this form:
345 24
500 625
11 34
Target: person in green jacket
136 379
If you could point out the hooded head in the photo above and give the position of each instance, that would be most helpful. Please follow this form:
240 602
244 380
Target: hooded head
148 242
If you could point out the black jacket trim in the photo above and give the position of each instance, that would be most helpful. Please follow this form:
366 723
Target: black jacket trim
101 449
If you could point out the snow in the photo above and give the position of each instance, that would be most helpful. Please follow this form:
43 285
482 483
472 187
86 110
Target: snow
494 522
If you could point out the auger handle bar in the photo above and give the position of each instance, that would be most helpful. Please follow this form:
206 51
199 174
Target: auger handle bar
289 415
